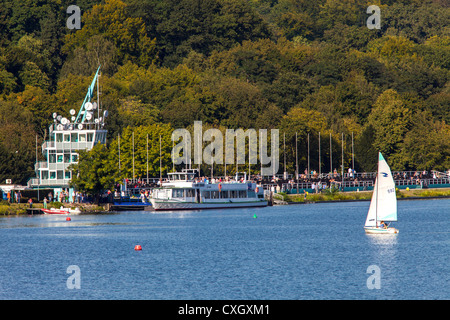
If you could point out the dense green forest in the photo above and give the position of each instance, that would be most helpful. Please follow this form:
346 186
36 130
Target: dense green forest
300 66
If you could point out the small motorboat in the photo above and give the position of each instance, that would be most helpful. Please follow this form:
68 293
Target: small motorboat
61 210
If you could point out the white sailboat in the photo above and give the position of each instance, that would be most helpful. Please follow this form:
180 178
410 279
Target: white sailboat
383 206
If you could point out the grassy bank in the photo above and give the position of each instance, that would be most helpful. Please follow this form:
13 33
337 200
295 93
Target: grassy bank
363 195
21 208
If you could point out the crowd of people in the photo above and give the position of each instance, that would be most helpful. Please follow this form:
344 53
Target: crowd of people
141 187
64 197
313 179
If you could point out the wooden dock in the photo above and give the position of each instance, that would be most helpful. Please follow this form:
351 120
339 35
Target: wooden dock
34 211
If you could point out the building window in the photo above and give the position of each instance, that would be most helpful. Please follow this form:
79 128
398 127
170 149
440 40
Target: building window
59 158
51 158
52 174
67 138
67 175
59 174
66 157
59 137
90 137
44 174
74 137
74 157
82 137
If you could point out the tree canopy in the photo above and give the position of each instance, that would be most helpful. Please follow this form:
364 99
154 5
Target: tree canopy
296 65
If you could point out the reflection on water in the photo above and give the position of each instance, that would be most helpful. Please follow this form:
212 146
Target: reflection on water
52 221
62 224
383 240
383 247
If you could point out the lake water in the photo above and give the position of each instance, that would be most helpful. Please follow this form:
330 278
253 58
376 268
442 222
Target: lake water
315 251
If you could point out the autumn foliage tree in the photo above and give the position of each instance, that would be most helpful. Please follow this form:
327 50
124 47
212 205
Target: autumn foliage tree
296 65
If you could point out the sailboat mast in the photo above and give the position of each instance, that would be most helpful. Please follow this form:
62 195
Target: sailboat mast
376 198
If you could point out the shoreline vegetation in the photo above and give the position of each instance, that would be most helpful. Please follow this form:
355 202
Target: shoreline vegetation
21 208
335 196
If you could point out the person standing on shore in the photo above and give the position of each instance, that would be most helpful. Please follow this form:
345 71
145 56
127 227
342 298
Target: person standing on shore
45 202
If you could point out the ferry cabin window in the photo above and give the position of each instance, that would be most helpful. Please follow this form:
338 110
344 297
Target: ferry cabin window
224 194
214 194
59 137
74 137
242 194
177 193
190 193
206 195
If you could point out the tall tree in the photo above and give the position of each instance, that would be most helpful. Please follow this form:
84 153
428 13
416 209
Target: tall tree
93 174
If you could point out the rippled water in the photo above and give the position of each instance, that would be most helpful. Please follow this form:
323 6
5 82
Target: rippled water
316 251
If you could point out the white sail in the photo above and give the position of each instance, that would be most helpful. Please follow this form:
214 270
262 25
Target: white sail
383 206
371 220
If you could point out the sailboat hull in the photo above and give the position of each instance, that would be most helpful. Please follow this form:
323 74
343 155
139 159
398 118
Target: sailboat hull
376 230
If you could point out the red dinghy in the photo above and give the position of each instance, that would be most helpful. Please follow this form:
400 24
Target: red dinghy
55 211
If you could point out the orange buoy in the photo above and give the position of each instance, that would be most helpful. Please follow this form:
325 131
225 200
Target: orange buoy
137 247
68 219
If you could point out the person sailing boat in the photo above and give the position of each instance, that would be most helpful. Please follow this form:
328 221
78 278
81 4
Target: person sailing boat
383 206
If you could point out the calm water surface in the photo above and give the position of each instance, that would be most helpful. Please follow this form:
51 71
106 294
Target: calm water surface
317 251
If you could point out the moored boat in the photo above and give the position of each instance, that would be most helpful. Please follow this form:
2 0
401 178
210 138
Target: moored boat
61 211
183 191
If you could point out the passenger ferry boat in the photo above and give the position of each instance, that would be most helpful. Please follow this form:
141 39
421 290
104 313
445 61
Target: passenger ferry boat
183 191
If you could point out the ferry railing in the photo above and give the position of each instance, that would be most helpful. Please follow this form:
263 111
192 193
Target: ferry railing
438 174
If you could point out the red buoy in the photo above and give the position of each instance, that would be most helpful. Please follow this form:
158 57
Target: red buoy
137 247
68 219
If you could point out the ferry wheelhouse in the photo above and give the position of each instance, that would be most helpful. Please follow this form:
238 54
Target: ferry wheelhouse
183 191
68 135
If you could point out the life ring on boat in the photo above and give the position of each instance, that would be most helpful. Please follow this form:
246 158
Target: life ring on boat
220 187
257 189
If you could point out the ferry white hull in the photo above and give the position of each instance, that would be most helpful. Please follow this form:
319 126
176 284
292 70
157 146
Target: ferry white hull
161 205
375 230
